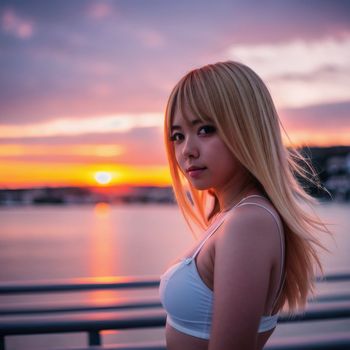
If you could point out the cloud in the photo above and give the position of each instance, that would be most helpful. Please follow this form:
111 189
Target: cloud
325 117
46 153
105 58
101 150
152 38
301 72
99 10
139 145
322 125
15 25
295 57
71 126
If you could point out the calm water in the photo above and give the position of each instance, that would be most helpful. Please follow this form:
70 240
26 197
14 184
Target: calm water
50 242
86 241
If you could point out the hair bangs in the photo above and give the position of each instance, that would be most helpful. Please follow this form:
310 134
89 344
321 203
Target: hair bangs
193 98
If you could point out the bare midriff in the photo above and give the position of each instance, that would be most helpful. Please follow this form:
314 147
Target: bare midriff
176 340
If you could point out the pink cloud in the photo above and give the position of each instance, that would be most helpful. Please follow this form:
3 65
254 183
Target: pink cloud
151 38
15 25
99 10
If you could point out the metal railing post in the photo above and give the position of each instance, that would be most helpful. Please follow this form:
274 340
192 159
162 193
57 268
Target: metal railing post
94 338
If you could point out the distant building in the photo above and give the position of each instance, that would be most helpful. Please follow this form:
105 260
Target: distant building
338 164
84 195
338 182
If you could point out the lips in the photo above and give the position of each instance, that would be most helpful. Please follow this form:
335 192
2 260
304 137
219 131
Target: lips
195 171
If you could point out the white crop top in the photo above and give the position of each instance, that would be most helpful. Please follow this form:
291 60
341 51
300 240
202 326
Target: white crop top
187 299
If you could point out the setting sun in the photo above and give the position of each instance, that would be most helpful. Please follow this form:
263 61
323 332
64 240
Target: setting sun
103 177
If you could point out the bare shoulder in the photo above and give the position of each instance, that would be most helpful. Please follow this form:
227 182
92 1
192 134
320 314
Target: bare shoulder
254 224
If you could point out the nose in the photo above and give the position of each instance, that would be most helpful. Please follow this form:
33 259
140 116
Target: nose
190 148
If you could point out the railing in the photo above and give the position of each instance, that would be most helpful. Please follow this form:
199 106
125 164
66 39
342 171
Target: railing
93 318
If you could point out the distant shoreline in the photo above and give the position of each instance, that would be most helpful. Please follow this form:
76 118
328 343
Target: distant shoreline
332 166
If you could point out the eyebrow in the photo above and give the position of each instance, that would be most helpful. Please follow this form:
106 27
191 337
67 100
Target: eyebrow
193 122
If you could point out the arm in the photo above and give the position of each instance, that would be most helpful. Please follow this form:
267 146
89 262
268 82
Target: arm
245 249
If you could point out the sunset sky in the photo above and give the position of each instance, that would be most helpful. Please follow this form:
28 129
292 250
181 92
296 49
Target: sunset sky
84 83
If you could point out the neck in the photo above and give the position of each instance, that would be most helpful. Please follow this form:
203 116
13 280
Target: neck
231 195
228 204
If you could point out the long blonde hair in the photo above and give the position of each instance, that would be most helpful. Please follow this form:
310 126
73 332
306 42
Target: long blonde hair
235 99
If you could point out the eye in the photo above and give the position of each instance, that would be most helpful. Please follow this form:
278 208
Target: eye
206 130
176 137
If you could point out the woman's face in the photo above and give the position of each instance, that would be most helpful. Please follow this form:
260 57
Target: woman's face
201 154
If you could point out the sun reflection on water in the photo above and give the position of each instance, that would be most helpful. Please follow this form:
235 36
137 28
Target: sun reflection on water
103 250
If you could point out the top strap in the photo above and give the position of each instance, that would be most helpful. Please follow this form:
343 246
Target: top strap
217 223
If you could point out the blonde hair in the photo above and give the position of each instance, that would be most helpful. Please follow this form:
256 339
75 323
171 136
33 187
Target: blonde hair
235 99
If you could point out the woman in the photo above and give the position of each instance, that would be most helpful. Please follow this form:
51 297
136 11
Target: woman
233 178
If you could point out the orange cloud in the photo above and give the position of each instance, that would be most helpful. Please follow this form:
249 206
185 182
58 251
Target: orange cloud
22 150
306 137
